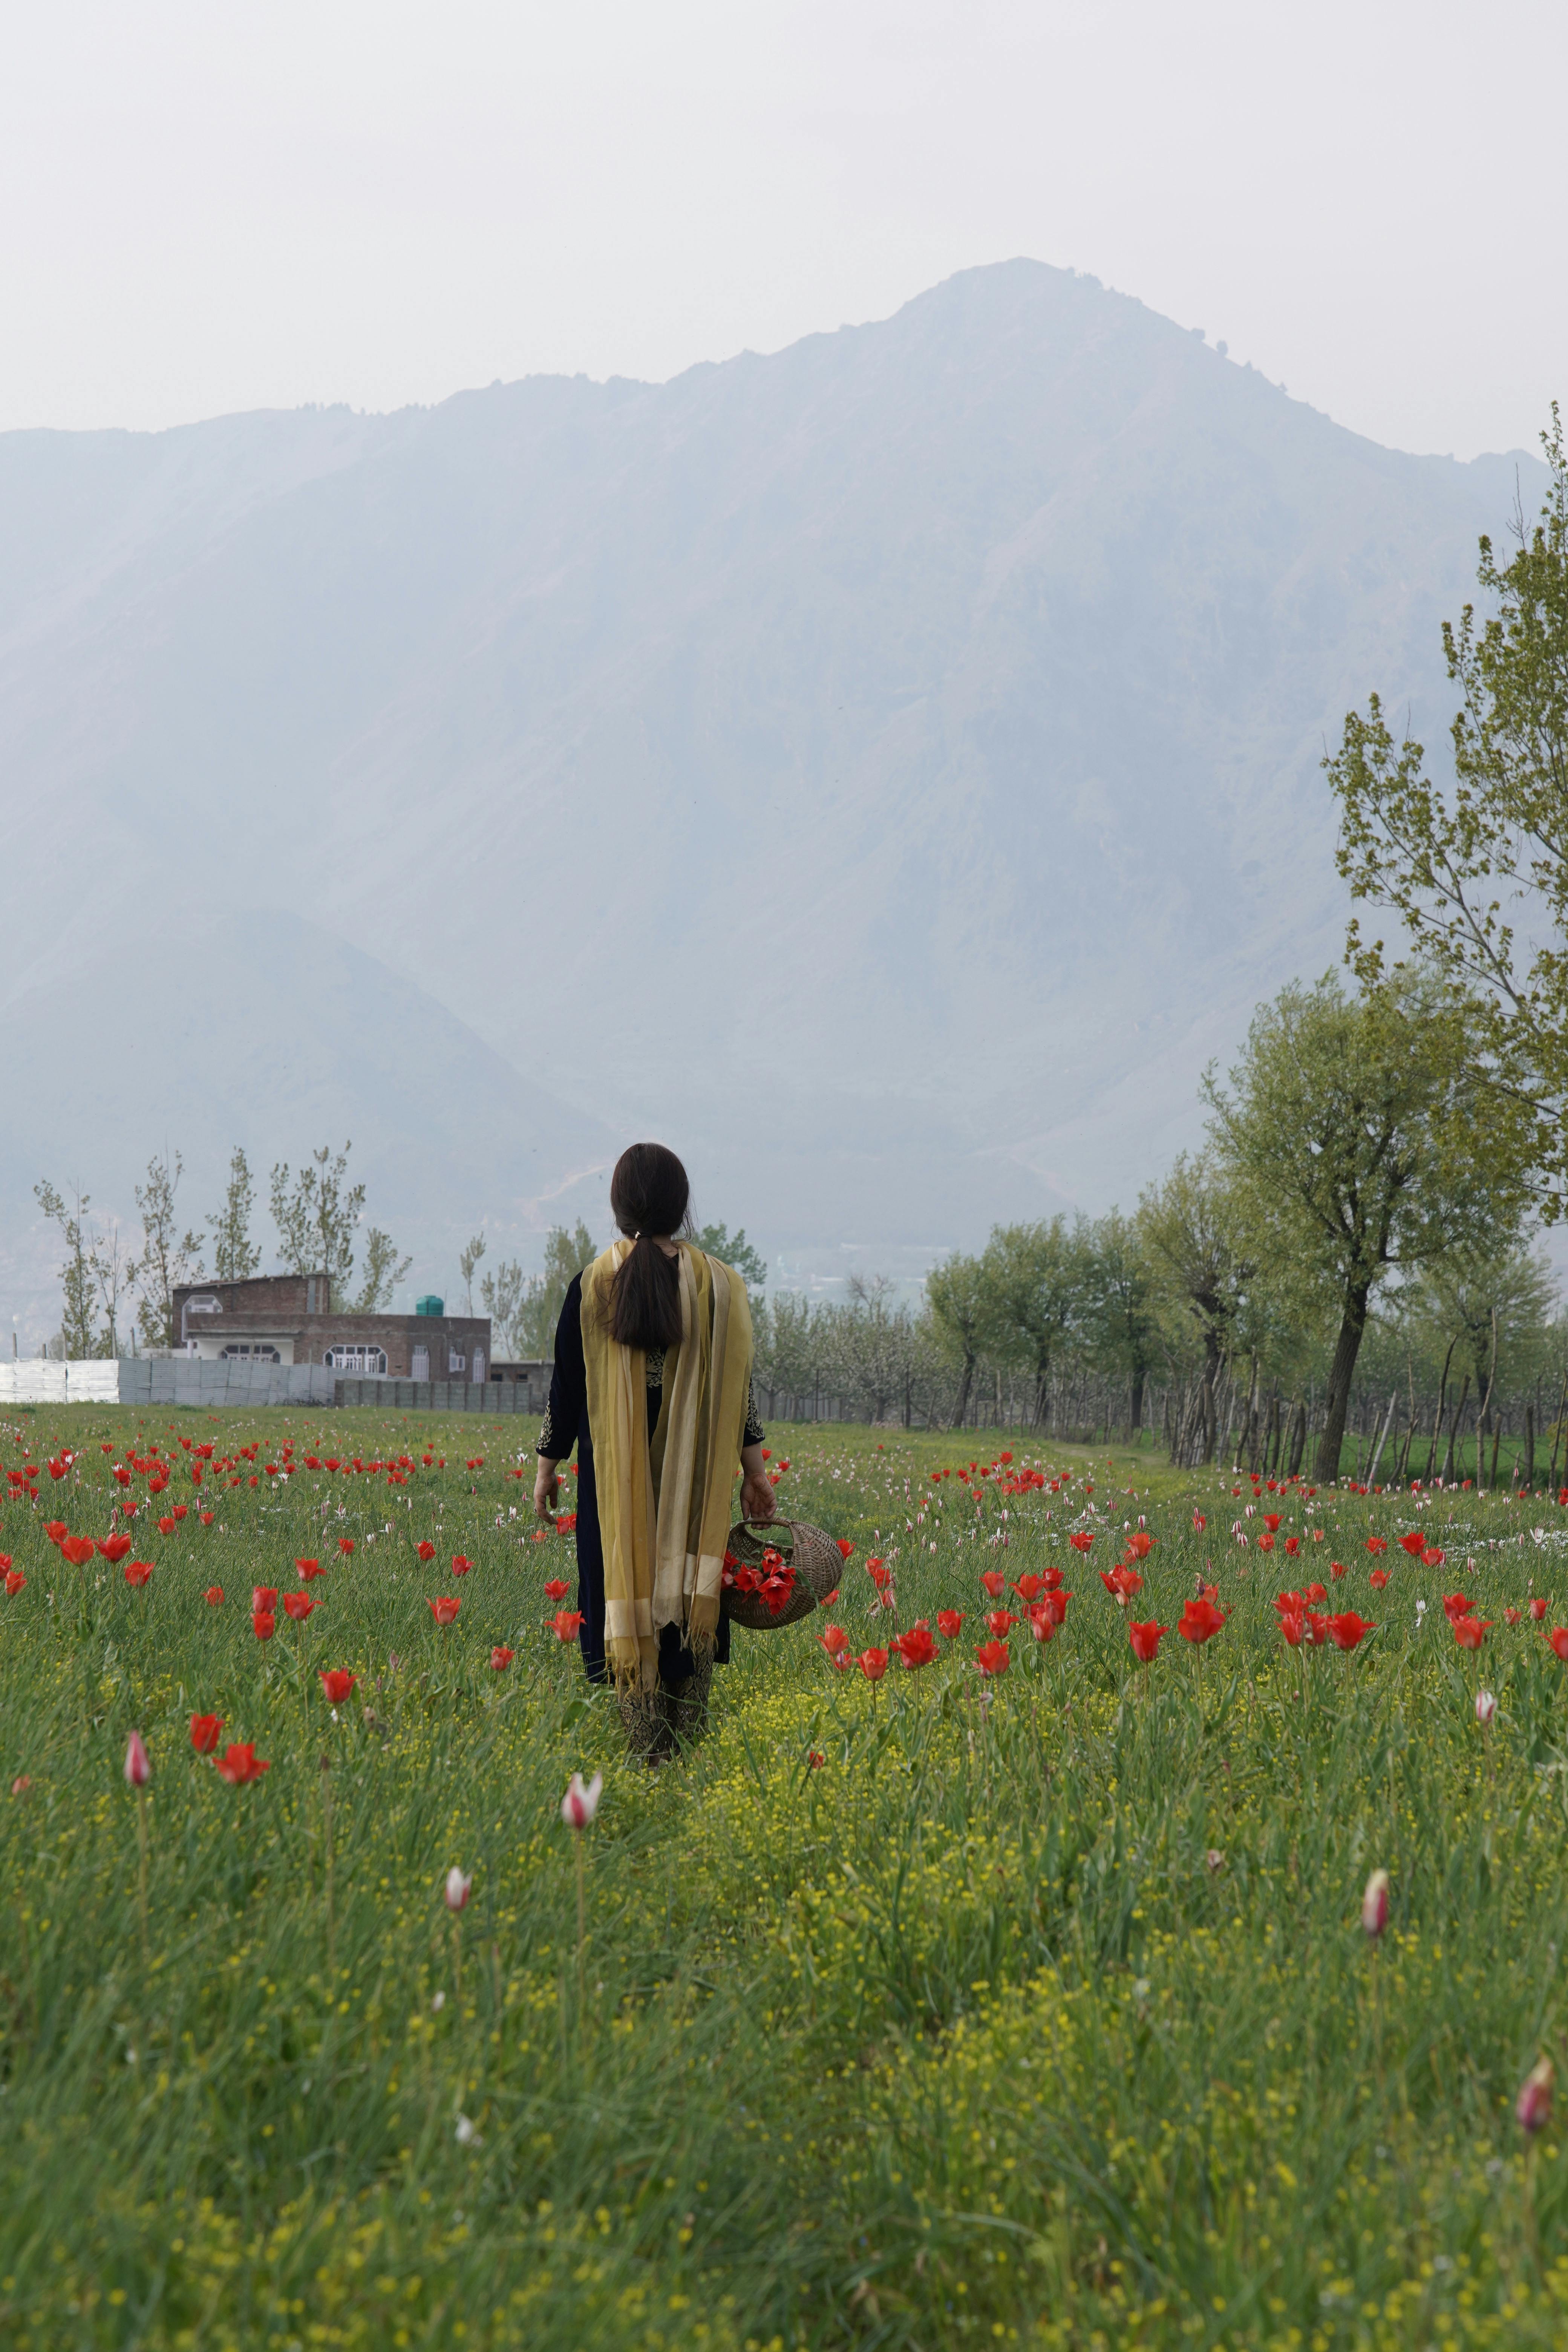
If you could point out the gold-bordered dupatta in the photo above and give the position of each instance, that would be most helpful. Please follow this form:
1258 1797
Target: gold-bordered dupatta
663 1500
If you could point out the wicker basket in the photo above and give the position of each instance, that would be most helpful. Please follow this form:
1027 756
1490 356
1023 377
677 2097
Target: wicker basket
817 1561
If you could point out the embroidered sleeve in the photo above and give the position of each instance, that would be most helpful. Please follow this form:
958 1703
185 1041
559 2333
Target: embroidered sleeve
754 1432
547 1443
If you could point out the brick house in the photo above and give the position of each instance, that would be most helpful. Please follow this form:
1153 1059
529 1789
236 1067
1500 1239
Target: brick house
288 1318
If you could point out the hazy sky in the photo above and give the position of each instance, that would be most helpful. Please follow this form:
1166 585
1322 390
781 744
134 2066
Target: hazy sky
209 208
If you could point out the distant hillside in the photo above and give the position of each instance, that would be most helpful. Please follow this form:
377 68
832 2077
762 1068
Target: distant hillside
888 769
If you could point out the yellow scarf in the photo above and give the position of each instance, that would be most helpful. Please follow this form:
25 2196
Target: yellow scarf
664 1502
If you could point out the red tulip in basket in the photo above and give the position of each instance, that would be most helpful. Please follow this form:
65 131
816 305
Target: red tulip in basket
776 1572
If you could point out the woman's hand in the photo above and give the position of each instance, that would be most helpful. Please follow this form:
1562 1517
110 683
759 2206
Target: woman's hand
546 1489
757 1501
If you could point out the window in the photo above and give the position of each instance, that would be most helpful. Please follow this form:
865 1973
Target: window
456 1362
421 1363
356 1360
261 1353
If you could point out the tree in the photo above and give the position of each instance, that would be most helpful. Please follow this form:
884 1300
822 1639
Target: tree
1122 1311
234 1256
960 1301
76 1278
1461 864
735 1250
1494 1298
316 1219
1361 1144
534 1321
465 1265
503 1295
167 1258
1034 1282
384 1270
1187 1228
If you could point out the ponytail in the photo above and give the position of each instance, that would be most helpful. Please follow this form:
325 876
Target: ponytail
649 1196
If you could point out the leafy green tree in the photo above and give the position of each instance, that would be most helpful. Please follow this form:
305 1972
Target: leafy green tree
466 1263
1037 1286
735 1250
168 1258
1497 1301
1188 1232
236 1258
317 1214
961 1304
384 1270
1361 1143
1125 1323
77 1282
566 1255
1477 870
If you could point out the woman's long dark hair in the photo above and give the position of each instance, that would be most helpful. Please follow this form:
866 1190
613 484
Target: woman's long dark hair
648 1195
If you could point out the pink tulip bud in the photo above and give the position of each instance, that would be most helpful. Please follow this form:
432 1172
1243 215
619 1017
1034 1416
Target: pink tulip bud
456 1888
1486 1707
1533 2109
138 1771
1374 1904
580 1804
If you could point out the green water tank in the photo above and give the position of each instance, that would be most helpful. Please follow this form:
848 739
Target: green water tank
429 1307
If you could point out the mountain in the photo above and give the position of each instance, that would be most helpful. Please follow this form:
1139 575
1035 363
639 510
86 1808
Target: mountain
889 770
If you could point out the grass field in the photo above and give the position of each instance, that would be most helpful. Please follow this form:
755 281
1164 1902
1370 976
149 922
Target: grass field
924 2012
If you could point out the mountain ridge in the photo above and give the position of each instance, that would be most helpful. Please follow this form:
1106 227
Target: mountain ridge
889 767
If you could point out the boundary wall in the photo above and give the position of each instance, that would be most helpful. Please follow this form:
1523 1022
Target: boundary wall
186 1381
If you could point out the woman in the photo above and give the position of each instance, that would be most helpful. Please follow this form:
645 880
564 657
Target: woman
652 1380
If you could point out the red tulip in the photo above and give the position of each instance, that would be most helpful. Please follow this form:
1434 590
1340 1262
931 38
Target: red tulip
1378 1579
425 1550
55 1530
1538 1607
1454 1605
1001 1622
166 1526
212 1595
994 1581
1199 1522
137 1571
1029 1588
846 1549
1346 1630
1200 1621
264 1622
916 1648
299 1606
309 1568
873 1664
1293 1625
500 1659
992 1658
1558 1640
1511 1616
460 1564
77 1550
564 1624
557 1588
1469 1632
1377 1543
1271 1521
264 1596
1083 1541
948 1622
345 1544
1414 1543
205 1730
15 1580
834 1640
1314 1593
137 1770
239 1764
337 1681
1432 1557
114 1547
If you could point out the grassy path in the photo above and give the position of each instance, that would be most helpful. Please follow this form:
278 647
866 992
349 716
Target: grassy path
922 2012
